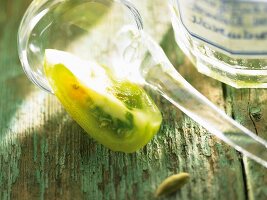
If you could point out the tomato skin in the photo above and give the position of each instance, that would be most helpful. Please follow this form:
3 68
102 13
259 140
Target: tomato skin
124 118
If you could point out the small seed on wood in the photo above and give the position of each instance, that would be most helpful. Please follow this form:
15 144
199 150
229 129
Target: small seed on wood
172 184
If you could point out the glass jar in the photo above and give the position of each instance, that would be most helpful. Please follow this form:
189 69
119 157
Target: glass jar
226 40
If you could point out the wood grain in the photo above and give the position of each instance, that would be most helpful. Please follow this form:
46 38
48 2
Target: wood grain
249 108
44 154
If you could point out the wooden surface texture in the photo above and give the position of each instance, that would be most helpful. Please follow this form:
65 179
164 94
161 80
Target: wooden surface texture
44 154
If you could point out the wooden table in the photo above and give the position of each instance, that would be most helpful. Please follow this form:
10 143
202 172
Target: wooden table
44 154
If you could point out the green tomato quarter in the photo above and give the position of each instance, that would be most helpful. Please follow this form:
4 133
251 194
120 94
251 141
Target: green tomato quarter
117 113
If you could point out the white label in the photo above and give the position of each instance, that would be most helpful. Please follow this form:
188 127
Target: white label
235 26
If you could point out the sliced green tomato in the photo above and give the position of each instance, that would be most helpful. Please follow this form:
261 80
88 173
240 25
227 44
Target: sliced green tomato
118 114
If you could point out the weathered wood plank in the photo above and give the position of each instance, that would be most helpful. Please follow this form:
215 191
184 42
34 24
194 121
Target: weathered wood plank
249 107
46 155
214 165
11 96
